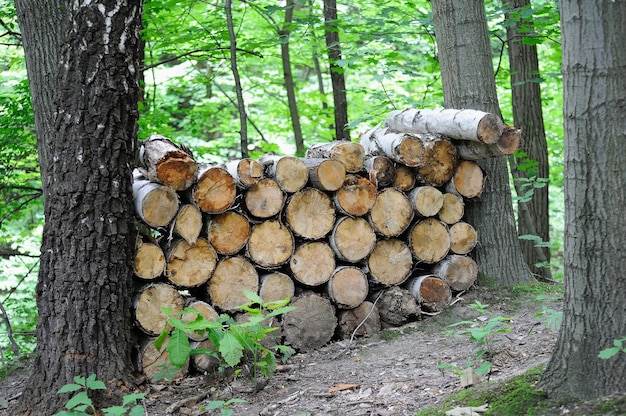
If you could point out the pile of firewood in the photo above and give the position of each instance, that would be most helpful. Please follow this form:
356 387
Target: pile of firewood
359 235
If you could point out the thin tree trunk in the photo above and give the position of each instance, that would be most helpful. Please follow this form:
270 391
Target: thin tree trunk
527 116
468 82
594 312
336 72
84 287
241 105
288 77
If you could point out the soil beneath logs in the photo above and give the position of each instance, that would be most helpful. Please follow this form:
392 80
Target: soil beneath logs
392 373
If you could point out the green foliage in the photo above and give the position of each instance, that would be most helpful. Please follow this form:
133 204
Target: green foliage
224 406
236 342
81 404
551 317
619 345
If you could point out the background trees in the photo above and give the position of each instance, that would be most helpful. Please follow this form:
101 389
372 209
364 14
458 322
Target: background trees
595 179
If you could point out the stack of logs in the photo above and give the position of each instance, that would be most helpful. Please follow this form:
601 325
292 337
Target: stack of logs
359 235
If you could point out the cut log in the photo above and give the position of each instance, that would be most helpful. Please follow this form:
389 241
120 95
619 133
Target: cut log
463 238
313 263
270 245
152 362
215 191
290 173
356 196
380 170
352 239
325 174
432 293
228 232
168 164
426 200
149 261
390 262
439 161
351 154
429 240
396 306
459 272
463 124
155 204
468 180
231 277
403 148
264 199
347 287
452 210
190 265
205 363
276 286
392 213
206 311
310 214
245 172
507 145
188 223
362 321
405 178
311 325
148 303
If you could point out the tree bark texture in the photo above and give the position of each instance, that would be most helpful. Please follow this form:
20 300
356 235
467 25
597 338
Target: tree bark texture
89 237
468 82
594 313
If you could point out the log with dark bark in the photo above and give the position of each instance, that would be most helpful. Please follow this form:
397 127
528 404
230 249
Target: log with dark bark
205 363
264 199
313 263
396 306
356 196
352 239
270 245
390 262
155 204
190 265
426 200
188 223
149 260
431 292
245 172
405 178
231 277
351 154
429 240
276 286
463 238
312 324
228 232
167 163
362 321
459 272
381 170
468 180
148 303
310 213
347 287
392 213
290 173
325 174
215 191
463 124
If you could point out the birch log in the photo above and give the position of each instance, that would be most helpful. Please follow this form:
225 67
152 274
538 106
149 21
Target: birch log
352 239
463 238
168 164
245 172
429 240
426 200
215 191
149 260
276 286
310 214
350 154
452 209
431 292
396 306
155 204
391 213
347 287
190 265
148 303
380 170
325 174
188 223
468 180
459 272
290 173
356 196
264 199
270 245
390 262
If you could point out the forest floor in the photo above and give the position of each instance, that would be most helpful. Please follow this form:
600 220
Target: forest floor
392 373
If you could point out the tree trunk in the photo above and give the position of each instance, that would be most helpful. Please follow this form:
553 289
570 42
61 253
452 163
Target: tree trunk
468 82
89 237
336 72
528 116
594 312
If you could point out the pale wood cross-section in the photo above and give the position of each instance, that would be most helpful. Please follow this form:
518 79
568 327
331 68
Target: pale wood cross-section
270 245
231 277
390 262
190 265
352 239
463 238
313 263
149 260
347 287
215 191
155 204
206 311
264 199
356 196
426 200
429 240
459 272
392 213
310 213
468 180
290 173
188 223
228 232
350 154
276 286
148 303
245 172
325 174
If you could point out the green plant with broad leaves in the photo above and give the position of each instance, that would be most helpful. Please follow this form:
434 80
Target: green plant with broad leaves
619 345
81 404
236 343
224 406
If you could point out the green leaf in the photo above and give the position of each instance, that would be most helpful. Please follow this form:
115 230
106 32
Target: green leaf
94 384
80 398
114 411
137 411
231 349
133 398
69 388
484 368
215 404
158 343
178 348
607 353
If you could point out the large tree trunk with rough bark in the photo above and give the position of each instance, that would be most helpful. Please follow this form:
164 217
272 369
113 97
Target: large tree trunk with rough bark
594 313
468 82
528 116
89 237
